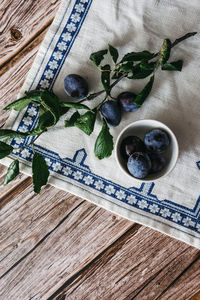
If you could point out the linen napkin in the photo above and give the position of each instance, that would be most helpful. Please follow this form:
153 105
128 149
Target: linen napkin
171 204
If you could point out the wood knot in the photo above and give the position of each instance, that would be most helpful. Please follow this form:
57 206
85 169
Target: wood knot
15 34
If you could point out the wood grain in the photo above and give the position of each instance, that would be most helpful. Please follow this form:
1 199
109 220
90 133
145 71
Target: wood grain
137 266
186 285
7 189
83 235
13 74
196 296
57 245
21 22
27 218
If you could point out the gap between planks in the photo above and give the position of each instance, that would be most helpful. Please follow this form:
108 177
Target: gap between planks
145 266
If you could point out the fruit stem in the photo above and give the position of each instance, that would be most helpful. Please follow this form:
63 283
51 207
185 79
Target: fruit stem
92 96
99 105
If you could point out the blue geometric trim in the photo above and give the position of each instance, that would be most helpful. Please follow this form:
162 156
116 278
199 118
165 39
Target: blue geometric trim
75 169
57 59
140 198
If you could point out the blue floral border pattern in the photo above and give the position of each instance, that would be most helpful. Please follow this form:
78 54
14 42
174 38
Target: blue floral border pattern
75 169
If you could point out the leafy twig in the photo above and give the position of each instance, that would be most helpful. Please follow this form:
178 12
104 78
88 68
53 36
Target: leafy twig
133 65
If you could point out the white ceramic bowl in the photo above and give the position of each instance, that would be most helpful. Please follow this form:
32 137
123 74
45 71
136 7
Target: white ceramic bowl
140 128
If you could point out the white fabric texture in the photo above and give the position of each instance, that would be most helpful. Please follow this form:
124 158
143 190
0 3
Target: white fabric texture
171 204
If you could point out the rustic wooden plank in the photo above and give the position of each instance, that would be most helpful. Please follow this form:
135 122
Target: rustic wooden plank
188 284
196 296
13 74
21 22
27 218
137 266
70 247
37 223
14 185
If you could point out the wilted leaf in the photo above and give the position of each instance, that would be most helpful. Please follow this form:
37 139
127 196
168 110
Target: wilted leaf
164 52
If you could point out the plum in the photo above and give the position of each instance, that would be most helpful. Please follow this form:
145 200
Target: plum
76 86
126 100
156 140
158 162
111 111
131 144
139 164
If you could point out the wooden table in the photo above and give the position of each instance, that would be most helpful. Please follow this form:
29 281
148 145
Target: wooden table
58 246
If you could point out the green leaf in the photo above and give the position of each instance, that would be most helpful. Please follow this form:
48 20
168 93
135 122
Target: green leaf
5 150
114 53
8 134
41 110
141 97
173 66
136 56
35 131
104 143
45 120
97 57
117 75
51 103
74 105
86 122
34 94
20 104
145 65
72 120
40 172
47 99
12 172
127 67
139 73
164 52
105 77
63 110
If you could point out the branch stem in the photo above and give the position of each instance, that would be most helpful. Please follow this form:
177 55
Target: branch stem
31 143
179 40
92 96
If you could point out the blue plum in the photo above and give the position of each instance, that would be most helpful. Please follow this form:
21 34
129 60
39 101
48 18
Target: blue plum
111 111
157 140
139 164
76 86
158 162
131 144
126 100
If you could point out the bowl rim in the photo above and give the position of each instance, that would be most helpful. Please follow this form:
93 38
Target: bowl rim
172 135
